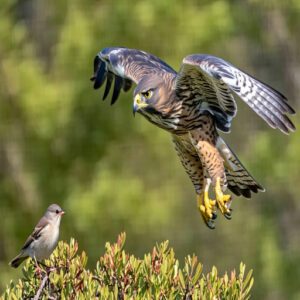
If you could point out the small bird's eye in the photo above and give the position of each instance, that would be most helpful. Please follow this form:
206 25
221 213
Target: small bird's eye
57 211
147 94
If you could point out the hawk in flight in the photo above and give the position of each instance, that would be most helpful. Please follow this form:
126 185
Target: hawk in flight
193 104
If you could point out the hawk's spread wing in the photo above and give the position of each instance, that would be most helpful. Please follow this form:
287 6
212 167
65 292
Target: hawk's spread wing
124 66
212 81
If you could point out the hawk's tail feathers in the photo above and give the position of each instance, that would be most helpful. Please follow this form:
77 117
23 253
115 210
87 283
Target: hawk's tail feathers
239 180
17 260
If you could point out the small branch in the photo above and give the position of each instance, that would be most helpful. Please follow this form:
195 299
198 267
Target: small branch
37 296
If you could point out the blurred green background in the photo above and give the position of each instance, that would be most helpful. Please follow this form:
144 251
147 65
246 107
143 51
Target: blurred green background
111 172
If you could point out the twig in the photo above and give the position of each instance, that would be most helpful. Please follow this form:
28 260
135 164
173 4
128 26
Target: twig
37 296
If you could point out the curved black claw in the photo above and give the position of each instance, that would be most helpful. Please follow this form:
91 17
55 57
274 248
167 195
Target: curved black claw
228 215
210 224
214 216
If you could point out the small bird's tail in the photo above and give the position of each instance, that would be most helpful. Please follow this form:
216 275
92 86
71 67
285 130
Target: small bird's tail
17 260
239 180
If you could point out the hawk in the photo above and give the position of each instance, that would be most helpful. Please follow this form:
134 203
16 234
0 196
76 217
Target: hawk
193 105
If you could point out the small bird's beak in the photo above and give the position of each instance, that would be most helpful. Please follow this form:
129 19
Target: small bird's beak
138 104
62 213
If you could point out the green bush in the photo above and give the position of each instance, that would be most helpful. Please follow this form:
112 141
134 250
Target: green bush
119 275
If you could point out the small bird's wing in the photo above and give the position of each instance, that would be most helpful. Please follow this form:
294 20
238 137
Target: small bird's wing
42 224
124 66
213 81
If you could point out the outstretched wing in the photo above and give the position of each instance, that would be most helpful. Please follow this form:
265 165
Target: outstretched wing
213 81
124 66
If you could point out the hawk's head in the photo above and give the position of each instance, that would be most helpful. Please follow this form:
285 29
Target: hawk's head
147 95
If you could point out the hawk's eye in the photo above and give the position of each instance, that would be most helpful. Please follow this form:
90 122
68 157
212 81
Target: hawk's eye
147 94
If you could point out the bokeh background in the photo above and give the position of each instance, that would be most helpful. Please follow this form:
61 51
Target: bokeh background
111 172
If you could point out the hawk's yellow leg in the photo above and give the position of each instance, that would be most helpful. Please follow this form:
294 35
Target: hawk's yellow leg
206 206
223 201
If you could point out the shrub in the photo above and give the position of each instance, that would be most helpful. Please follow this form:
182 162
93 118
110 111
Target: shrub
119 275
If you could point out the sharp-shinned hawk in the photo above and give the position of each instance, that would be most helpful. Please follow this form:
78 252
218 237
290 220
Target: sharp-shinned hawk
193 105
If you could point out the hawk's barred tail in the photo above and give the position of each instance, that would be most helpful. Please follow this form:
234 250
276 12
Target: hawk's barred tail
239 180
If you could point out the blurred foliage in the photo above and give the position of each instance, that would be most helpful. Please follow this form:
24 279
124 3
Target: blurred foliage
111 172
119 275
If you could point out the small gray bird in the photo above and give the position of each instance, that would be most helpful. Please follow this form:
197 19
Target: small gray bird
40 244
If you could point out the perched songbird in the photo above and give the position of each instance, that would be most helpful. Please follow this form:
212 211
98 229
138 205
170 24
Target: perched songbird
193 105
40 244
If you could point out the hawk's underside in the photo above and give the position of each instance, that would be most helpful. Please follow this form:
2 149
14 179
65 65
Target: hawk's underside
193 105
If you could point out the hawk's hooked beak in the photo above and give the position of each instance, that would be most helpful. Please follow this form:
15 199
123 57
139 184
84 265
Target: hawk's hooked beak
138 103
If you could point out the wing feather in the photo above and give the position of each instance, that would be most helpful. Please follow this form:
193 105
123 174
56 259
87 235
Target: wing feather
109 80
217 80
43 222
100 75
117 88
125 66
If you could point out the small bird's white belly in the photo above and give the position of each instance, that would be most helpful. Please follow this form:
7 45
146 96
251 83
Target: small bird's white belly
44 245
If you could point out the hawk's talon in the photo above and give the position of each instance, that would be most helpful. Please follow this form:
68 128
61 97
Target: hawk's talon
223 201
207 208
214 215
228 216
212 202
210 224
